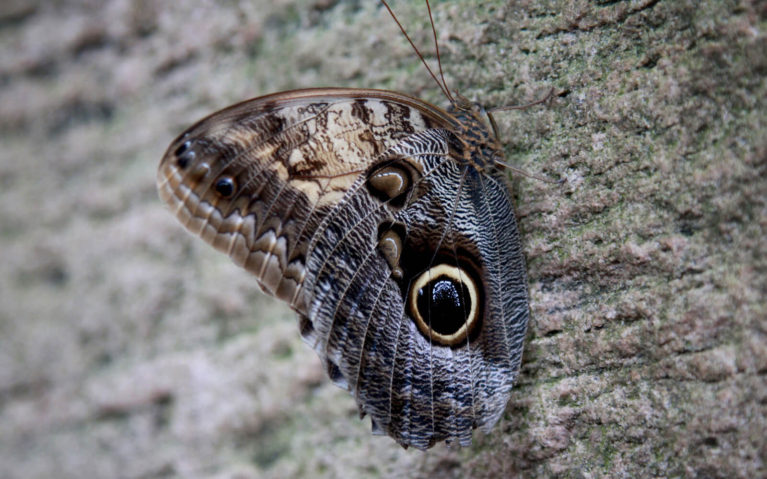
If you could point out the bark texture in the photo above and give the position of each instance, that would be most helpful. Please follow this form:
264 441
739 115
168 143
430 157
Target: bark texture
130 349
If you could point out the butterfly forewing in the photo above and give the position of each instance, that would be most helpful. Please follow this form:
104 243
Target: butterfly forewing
317 142
377 218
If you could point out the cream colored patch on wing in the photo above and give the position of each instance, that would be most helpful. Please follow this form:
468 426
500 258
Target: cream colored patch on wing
334 147
295 159
321 148
378 114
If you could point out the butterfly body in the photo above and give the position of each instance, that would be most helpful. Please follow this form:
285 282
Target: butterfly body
386 224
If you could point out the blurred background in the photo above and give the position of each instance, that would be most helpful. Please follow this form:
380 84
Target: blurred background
130 349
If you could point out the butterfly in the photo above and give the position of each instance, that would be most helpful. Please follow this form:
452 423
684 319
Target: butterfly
387 224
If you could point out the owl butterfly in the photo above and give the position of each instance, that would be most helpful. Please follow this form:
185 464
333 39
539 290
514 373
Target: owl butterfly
387 224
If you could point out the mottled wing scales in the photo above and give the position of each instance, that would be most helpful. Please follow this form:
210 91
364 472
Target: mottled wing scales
432 393
302 188
291 157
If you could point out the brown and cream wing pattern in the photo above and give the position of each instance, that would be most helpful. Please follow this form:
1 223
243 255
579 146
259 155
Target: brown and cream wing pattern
386 230
254 180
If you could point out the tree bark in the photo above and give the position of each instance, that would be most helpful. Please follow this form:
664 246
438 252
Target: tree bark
130 349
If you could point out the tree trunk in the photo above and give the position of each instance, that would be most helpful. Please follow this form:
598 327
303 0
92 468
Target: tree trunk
130 349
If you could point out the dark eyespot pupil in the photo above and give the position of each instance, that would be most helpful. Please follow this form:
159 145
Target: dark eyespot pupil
184 155
225 187
444 304
183 147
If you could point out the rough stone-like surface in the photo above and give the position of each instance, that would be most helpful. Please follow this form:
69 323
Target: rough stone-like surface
130 349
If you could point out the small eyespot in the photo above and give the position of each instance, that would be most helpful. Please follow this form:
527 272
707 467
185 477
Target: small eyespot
183 147
390 246
184 160
200 171
184 155
225 186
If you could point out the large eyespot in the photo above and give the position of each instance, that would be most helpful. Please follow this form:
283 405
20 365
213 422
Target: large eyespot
225 186
444 300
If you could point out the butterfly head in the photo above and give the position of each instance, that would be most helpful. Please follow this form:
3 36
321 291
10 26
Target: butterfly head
480 146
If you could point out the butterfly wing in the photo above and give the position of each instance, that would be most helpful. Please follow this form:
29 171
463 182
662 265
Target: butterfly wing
403 263
255 179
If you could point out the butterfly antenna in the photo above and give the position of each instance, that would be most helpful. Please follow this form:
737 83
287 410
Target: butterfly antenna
442 86
439 57
529 175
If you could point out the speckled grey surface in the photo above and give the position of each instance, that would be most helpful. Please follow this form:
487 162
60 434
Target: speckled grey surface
130 349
